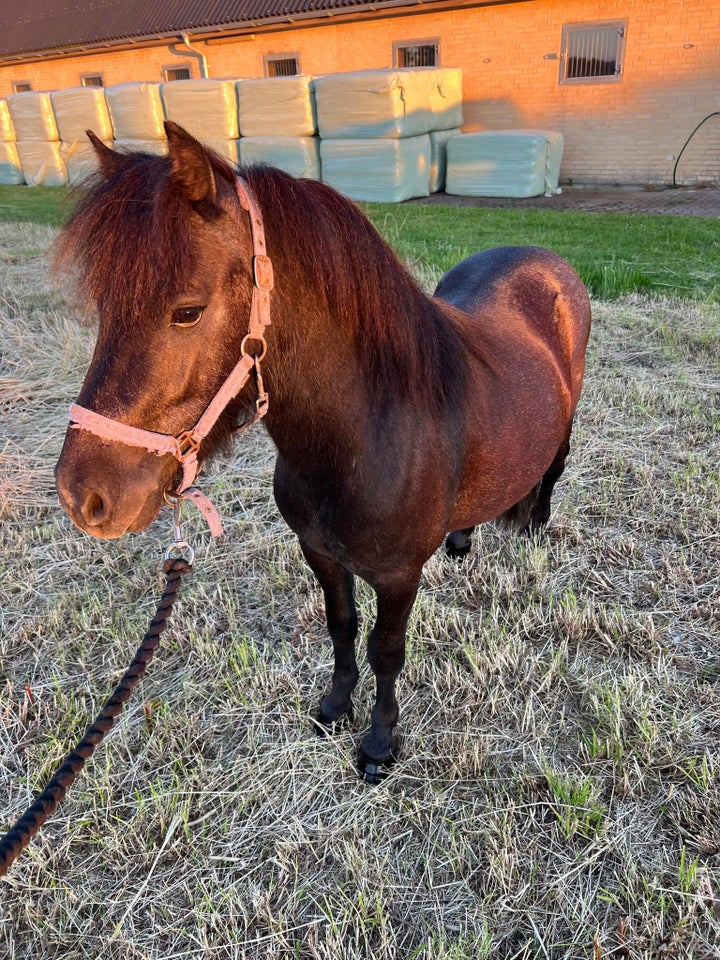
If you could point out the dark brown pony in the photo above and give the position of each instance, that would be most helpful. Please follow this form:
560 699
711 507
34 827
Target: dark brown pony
398 418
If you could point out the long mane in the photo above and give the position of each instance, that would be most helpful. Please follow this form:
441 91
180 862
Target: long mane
129 242
127 239
405 343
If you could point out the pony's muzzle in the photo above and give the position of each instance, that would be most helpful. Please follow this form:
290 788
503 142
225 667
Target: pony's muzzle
105 494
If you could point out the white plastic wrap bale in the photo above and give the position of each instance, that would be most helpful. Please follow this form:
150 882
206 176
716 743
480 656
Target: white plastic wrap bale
7 130
504 163
32 116
277 107
136 111
159 147
446 98
11 174
438 157
207 108
80 158
382 170
375 103
230 149
41 162
78 109
298 156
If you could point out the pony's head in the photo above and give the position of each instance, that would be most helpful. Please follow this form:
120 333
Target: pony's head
163 252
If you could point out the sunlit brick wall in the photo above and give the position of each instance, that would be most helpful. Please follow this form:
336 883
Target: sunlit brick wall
631 131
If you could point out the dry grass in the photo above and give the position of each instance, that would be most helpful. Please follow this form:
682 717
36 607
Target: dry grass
559 790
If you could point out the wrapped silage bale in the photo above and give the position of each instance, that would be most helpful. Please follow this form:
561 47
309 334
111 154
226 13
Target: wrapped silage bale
277 107
446 98
11 174
298 156
78 109
383 170
136 111
41 162
438 157
206 108
375 103
32 116
141 146
504 163
7 130
79 158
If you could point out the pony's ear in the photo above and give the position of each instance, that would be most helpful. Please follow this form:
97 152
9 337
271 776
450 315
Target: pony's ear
190 166
109 161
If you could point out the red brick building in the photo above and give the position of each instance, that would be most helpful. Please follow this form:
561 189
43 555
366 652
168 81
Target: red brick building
626 83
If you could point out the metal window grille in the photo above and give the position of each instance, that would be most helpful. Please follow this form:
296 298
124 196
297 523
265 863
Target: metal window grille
592 52
22 86
282 66
177 73
416 55
92 80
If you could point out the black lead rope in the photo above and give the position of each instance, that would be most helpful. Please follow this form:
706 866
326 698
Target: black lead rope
17 838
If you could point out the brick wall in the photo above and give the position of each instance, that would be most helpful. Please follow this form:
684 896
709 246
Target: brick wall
631 131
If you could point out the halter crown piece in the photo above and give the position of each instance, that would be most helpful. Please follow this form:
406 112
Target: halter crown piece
185 447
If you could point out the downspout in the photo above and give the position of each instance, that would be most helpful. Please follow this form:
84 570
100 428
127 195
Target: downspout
196 53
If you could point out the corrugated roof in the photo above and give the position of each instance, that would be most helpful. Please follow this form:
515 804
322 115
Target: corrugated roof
34 26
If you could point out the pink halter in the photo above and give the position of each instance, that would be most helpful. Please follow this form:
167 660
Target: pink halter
186 446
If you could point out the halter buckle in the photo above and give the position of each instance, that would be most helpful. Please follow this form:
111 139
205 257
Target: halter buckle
263 272
187 443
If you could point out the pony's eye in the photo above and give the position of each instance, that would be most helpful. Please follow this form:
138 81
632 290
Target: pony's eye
186 316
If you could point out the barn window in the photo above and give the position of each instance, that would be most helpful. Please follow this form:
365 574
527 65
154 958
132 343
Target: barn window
21 86
282 65
91 80
592 52
416 53
177 73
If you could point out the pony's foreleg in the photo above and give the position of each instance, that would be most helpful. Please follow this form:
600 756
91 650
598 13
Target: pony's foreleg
386 655
341 616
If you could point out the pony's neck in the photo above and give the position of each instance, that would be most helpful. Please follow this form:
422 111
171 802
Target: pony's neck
352 334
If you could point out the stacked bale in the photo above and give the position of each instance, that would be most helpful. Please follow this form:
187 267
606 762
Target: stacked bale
375 128
78 110
10 170
278 124
38 143
207 109
504 163
137 114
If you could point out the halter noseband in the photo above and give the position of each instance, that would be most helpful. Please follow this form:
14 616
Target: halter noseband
185 447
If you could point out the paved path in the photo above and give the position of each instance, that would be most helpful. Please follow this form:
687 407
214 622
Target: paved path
681 201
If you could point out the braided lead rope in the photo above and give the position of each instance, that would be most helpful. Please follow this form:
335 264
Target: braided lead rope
17 838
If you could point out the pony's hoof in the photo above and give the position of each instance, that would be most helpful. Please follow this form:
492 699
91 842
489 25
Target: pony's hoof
374 771
324 725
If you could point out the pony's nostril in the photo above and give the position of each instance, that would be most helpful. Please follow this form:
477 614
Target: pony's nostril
94 508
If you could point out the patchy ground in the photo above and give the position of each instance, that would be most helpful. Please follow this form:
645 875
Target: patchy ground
559 790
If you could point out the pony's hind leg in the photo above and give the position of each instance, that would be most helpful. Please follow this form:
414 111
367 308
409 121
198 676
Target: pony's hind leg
541 511
341 616
533 511
458 543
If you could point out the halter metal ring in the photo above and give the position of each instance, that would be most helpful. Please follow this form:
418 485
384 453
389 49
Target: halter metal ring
258 338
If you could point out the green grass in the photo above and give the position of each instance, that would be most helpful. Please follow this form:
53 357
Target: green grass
46 206
615 253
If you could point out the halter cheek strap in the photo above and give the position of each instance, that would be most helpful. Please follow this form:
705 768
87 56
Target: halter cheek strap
185 447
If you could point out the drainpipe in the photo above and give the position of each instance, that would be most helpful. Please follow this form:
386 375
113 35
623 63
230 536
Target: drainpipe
196 53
